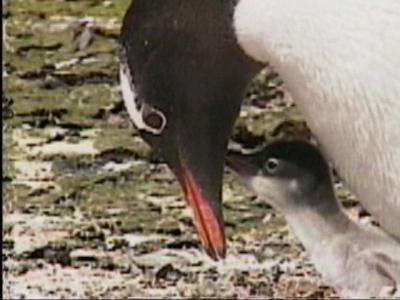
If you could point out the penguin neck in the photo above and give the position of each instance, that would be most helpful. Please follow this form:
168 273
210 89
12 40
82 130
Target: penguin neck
319 218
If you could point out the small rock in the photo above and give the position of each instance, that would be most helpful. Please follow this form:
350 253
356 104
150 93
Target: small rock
131 269
90 233
21 269
115 242
169 273
137 239
276 273
55 254
183 243
117 167
83 35
112 212
85 255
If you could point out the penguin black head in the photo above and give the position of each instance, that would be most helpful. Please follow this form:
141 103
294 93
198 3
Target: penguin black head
286 173
175 57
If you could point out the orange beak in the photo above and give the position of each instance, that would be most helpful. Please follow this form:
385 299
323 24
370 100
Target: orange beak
207 218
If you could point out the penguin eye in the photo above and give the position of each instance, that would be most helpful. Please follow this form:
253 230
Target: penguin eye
271 166
154 119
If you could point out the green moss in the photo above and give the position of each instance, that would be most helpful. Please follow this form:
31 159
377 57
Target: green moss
76 8
72 97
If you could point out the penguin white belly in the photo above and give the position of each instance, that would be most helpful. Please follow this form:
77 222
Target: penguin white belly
341 63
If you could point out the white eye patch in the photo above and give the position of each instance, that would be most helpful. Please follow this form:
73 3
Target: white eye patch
143 115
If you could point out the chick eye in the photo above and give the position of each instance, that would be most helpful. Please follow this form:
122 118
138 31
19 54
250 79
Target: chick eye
271 166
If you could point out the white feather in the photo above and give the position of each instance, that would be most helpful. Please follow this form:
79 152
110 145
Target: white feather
130 98
341 63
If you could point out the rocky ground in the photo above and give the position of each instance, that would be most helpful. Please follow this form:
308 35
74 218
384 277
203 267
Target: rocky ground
88 212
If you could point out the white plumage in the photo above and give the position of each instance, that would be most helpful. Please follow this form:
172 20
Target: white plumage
341 63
